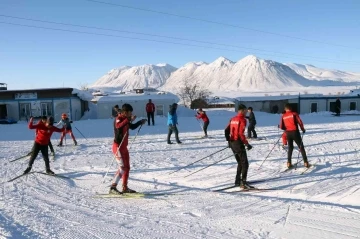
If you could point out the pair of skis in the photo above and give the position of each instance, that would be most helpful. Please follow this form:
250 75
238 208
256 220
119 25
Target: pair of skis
25 174
133 195
52 157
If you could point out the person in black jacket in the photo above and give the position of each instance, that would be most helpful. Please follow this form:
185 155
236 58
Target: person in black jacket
252 123
337 107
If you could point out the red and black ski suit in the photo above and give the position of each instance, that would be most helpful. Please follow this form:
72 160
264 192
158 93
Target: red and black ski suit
290 122
42 141
150 110
234 134
205 119
120 150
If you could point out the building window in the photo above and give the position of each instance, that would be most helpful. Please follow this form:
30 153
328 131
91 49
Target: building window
352 105
25 110
159 109
313 107
46 109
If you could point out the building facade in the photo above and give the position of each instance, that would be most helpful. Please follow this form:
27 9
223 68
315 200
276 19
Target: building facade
303 104
23 104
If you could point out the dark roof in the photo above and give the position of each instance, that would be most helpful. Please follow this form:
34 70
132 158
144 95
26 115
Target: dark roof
43 89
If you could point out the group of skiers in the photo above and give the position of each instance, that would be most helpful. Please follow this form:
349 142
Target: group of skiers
123 121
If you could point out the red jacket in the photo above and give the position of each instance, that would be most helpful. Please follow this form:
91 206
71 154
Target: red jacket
122 126
290 121
203 117
43 132
150 107
236 128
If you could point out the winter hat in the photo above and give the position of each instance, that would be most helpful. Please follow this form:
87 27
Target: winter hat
174 105
50 120
64 115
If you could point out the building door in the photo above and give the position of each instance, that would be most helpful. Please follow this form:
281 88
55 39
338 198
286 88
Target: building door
160 110
352 105
332 107
3 111
25 111
313 108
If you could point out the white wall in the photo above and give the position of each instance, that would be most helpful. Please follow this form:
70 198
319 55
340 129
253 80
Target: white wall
60 107
76 109
104 109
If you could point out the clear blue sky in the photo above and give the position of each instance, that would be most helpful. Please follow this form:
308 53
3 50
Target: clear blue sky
34 58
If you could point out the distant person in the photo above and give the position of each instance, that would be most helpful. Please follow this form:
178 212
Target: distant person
66 123
120 150
202 115
289 122
252 122
115 111
234 134
337 107
150 110
172 124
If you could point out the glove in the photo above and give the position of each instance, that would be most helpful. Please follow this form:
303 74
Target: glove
143 121
303 131
249 147
229 145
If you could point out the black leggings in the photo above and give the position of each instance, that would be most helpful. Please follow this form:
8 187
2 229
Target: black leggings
44 151
206 124
239 150
295 136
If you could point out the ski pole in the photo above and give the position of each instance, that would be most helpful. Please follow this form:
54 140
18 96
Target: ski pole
135 137
198 160
301 145
117 151
269 153
201 125
209 166
80 132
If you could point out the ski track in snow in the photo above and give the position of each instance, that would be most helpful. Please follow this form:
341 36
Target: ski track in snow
322 203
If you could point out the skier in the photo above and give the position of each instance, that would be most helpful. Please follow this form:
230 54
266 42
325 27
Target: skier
252 123
234 134
150 109
172 122
120 150
337 107
66 123
289 122
202 115
42 121
41 142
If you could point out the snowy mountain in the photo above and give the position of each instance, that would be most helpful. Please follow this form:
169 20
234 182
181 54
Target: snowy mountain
248 74
128 78
314 73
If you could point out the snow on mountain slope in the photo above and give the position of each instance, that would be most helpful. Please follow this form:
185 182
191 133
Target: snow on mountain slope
250 73
315 73
128 78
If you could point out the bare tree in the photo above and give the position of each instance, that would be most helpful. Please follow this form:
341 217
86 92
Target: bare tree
191 91
84 86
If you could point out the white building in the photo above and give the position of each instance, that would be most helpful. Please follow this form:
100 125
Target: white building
138 100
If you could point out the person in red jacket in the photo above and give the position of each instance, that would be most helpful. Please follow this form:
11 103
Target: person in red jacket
202 115
44 132
120 150
290 122
42 121
150 110
234 134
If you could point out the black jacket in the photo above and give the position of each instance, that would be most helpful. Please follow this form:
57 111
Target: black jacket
251 117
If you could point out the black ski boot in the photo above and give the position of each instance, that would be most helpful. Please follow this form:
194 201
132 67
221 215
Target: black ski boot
113 190
48 171
128 190
60 144
27 170
245 185
75 143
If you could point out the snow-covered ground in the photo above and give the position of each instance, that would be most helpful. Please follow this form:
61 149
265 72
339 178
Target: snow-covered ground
322 203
